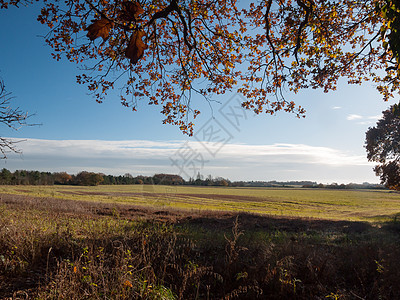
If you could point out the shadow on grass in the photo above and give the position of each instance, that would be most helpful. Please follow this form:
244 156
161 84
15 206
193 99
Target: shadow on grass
250 222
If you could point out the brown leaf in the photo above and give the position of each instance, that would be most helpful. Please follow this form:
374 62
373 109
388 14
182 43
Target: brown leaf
136 47
131 10
99 28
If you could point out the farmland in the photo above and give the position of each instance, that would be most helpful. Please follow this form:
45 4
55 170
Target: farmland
351 205
166 242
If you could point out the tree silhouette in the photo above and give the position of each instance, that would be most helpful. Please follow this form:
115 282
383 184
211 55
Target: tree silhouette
383 146
175 53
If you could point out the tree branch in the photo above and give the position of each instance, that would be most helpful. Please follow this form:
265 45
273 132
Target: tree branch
308 10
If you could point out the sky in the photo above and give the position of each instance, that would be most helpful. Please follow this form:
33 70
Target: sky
76 133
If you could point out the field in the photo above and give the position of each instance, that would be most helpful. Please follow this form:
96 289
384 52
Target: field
163 242
351 205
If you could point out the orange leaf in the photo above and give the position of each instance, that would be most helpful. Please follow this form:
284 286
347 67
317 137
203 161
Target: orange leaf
99 28
136 47
128 283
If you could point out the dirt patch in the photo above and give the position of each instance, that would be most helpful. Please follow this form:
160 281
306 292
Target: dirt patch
82 193
23 191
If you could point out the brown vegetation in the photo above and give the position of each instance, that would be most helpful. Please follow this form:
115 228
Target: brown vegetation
52 248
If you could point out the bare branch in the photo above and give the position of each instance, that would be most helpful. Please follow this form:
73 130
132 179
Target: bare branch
13 118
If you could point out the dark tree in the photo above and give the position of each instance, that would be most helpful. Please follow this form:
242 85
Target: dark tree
5 176
88 178
383 146
62 178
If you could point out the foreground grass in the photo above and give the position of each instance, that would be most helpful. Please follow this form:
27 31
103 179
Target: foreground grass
63 249
355 205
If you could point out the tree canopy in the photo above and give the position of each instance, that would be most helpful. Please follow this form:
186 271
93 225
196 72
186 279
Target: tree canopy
383 146
174 52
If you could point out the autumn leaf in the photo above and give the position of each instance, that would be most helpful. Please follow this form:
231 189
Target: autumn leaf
131 10
99 28
283 45
136 47
128 283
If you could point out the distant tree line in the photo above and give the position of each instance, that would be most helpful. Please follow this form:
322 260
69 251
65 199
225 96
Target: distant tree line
274 183
349 186
24 177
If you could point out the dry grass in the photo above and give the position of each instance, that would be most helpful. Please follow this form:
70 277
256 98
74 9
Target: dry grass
352 205
62 249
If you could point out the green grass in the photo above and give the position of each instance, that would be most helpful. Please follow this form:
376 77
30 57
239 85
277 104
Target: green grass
356 205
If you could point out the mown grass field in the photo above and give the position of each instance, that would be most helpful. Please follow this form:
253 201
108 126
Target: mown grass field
355 205
159 242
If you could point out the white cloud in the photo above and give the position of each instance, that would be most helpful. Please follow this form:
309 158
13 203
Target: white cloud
354 117
336 107
364 120
375 118
235 161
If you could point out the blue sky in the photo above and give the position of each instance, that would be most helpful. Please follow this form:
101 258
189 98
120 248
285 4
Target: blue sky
79 134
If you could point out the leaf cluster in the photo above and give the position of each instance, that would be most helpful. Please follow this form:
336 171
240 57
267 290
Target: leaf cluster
174 53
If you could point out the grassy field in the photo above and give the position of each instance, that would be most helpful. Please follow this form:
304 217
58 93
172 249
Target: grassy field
158 242
355 205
